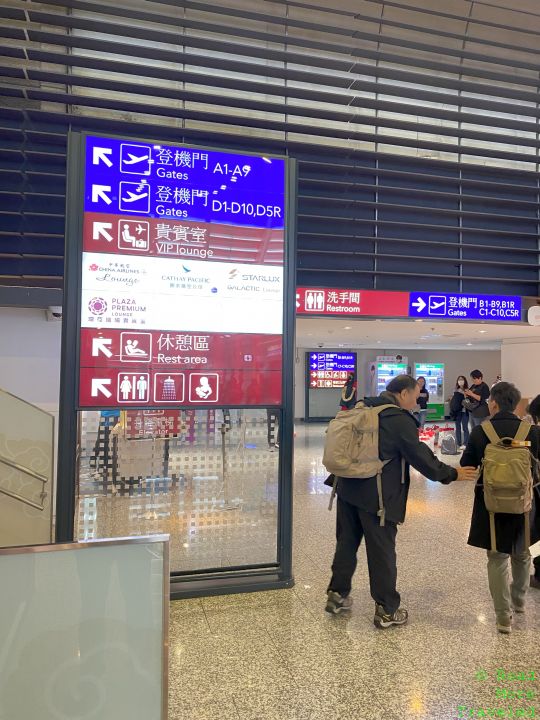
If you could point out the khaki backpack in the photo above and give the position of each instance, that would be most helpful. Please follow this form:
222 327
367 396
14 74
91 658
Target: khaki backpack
508 477
351 449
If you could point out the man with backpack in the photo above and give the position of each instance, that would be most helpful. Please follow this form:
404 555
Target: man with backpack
504 518
369 450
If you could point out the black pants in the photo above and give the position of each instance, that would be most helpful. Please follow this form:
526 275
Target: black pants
536 564
352 525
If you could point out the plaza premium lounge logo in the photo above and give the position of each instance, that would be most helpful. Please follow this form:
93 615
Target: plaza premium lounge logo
97 306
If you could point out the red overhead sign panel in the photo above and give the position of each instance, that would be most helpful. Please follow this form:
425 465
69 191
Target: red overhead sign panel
351 303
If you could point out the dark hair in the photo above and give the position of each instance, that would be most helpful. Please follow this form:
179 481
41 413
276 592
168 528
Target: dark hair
400 383
534 409
476 374
506 395
464 378
421 377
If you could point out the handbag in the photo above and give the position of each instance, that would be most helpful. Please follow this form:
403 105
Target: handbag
470 405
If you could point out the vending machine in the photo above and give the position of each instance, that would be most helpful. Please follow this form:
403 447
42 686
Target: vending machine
434 375
388 370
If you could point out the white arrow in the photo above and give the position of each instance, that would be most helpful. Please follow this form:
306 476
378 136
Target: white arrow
101 154
99 191
420 304
99 386
101 228
100 345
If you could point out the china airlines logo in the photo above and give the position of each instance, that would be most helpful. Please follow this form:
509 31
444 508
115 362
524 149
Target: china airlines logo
94 267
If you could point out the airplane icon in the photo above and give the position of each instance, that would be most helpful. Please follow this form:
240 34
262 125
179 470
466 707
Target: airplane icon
134 159
133 197
437 305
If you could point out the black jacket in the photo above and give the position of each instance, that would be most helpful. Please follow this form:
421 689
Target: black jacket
483 391
398 438
509 529
456 404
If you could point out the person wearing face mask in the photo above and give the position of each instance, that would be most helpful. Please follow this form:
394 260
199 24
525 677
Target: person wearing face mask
348 393
458 413
423 399
358 506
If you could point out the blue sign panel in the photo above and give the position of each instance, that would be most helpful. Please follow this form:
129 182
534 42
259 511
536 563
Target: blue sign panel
452 306
332 361
183 183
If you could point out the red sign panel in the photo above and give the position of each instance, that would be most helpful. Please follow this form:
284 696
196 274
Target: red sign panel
181 239
144 386
351 303
164 350
328 378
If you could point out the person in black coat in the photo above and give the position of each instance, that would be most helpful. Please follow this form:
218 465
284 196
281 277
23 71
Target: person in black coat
348 393
509 529
479 394
358 508
458 413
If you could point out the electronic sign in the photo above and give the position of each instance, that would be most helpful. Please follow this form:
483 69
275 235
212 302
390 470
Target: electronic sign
182 283
329 369
452 306
341 302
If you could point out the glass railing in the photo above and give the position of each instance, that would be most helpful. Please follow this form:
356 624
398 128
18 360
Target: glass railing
84 631
26 472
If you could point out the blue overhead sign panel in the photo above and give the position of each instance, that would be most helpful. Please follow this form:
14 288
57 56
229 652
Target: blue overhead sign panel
343 362
168 181
453 306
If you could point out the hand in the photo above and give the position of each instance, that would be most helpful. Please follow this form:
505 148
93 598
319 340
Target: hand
467 473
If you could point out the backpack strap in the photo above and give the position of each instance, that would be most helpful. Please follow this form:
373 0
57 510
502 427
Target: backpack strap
381 514
492 531
527 531
523 431
487 427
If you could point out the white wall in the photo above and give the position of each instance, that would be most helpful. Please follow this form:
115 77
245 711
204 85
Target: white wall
457 362
520 365
30 356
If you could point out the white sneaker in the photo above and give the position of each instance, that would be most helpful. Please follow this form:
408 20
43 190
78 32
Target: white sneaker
462 447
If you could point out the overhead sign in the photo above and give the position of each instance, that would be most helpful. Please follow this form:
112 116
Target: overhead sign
330 369
351 303
451 306
182 287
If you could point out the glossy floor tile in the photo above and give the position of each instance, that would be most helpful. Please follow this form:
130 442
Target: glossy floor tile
279 656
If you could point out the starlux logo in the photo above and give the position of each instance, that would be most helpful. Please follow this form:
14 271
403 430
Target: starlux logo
233 273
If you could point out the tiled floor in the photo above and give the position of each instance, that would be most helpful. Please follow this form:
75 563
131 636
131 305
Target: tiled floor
278 655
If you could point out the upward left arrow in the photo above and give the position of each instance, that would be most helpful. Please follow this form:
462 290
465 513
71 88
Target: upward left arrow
100 191
100 154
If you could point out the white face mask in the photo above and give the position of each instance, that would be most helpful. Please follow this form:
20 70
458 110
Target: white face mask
461 383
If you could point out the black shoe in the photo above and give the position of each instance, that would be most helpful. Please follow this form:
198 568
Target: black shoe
535 582
384 620
336 603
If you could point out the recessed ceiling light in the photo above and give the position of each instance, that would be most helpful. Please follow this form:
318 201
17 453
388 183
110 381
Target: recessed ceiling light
347 327
379 342
469 344
418 320
482 331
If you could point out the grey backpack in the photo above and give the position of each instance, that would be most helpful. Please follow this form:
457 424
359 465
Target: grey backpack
449 445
